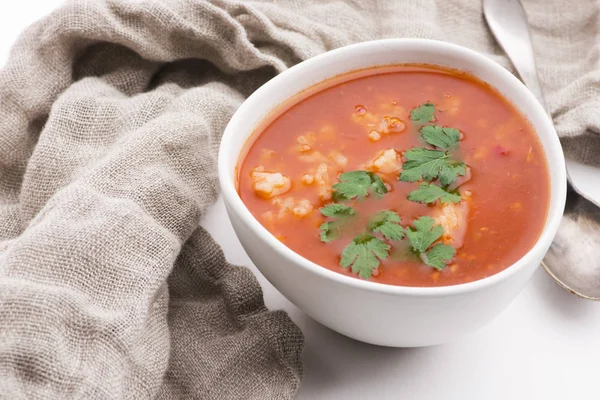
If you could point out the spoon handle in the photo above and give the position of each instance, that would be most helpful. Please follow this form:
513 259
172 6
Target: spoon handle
508 22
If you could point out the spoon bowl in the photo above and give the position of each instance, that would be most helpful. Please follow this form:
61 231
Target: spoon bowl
581 220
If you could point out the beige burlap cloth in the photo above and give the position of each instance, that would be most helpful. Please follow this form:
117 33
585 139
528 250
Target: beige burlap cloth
110 118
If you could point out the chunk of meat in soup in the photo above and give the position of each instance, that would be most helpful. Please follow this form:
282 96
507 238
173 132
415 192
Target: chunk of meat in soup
386 161
268 184
453 218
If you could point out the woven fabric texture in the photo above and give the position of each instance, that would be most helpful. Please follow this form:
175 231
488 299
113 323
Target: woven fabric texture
111 114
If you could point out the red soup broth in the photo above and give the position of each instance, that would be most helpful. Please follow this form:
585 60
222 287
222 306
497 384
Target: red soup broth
361 121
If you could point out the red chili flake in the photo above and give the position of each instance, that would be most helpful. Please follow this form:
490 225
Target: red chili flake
501 150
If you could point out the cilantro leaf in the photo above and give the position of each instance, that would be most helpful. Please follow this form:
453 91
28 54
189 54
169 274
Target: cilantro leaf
357 184
438 255
429 193
330 230
451 170
421 163
424 233
337 210
387 223
363 254
423 113
441 137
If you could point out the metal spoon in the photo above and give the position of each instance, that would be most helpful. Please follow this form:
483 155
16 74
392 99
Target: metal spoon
574 257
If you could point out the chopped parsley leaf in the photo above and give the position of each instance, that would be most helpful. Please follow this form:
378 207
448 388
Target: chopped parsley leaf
330 230
441 137
387 223
429 193
422 236
357 184
363 254
438 255
423 114
421 163
424 233
337 210
450 171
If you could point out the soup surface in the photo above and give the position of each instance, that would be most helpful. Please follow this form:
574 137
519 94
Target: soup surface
405 175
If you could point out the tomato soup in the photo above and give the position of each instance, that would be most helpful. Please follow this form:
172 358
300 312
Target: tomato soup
409 175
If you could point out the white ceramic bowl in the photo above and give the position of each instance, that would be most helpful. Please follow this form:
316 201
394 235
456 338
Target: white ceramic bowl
367 311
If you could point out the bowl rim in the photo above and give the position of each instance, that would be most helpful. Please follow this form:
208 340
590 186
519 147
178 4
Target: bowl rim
558 184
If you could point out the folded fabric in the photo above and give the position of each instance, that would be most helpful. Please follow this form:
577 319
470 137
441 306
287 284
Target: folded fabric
111 114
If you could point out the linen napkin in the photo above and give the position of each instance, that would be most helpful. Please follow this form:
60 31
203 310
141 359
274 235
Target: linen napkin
110 118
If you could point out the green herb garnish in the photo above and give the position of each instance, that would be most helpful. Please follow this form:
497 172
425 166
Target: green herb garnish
425 164
423 114
387 223
363 254
451 170
424 233
357 184
441 137
429 193
330 230
428 164
422 236
438 255
337 210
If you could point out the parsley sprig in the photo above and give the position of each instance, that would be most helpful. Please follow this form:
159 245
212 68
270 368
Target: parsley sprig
387 223
441 137
429 193
423 114
366 250
427 165
363 254
422 236
358 184
341 213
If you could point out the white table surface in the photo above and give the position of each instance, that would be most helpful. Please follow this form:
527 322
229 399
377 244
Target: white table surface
546 345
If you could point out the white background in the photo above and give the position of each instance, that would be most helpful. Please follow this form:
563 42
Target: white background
546 345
